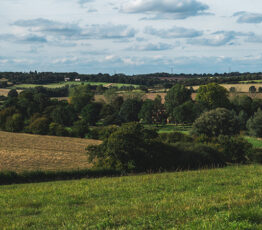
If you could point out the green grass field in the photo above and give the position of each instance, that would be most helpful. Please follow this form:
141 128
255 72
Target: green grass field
61 84
228 198
256 142
169 128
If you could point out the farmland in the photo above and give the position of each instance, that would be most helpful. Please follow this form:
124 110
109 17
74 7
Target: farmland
24 152
228 198
62 84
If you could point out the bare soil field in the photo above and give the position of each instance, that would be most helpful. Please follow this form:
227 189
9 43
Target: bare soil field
25 152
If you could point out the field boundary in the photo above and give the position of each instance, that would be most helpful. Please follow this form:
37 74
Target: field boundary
8 178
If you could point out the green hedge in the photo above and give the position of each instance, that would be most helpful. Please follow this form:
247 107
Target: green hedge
7 178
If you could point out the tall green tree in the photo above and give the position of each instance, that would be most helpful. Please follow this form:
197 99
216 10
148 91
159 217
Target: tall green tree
176 96
213 96
81 96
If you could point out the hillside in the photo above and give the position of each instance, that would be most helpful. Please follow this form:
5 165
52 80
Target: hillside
25 152
228 198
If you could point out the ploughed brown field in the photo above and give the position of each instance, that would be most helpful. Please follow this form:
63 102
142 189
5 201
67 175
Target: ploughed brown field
25 152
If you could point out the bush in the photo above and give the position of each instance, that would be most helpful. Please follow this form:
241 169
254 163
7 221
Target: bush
57 130
254 124
235 149
195 155
174 137
216 122
80 129
102 133
127 149
39 126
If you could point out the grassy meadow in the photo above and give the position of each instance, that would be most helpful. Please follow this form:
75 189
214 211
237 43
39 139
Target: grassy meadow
62 84
228 198
25 152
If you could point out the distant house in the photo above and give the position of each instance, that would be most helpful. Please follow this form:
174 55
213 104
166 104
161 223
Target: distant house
67 79
77 79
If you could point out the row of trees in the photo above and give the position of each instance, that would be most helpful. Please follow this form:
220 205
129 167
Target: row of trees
140 79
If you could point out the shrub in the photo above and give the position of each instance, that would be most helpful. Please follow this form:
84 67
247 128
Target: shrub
80 129
39 126
216 122
195 155
128 148
254 124
174 137
235 149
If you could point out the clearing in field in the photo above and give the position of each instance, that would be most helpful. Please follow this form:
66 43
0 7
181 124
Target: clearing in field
25 152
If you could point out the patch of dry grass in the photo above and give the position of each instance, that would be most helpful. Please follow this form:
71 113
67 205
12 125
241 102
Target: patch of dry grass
26 152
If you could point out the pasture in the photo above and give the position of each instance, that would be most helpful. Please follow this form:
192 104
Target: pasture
62 84
25 152
228 198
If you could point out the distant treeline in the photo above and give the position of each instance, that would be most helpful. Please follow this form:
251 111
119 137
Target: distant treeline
164 79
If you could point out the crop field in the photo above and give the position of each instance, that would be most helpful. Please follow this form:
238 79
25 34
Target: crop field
24 152
62 84
240 88
228 198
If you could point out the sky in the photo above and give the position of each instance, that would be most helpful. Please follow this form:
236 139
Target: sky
131 36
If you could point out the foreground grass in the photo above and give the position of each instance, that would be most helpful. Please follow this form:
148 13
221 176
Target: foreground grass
229 198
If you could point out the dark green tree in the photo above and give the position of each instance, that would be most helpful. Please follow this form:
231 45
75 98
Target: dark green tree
213 96
176 96
216 122
90 113
254 124
81 96
129 110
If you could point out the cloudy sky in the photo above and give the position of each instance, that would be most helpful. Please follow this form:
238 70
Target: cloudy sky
131 36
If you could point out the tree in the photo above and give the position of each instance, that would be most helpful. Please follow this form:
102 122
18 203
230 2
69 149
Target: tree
81 96
129 110
185 113
146 112
14 123
216 122
90 113
39 126
252 89
176 96
213 96
63 114
80 129
127 148
254 124
12 93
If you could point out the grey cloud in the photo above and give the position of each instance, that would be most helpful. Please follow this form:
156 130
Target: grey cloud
30 38
174 32
247 17
219 38
168 9
50 27
109 31
152 47
74 31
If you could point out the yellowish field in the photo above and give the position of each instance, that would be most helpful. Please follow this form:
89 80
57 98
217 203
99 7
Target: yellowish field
25 152
241 88
4 92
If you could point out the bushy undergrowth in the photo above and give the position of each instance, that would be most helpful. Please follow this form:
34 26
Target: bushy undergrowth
134 148
43 176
